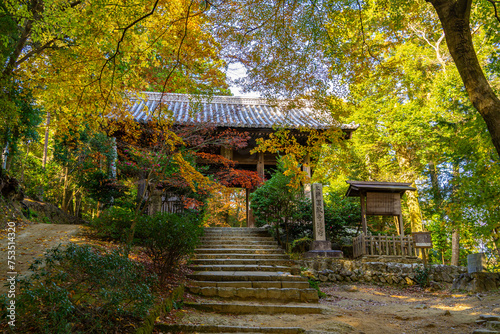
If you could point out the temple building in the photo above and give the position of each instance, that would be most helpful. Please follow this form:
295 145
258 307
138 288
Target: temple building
254 116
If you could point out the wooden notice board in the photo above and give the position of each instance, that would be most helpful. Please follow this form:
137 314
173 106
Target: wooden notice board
422 239
385 204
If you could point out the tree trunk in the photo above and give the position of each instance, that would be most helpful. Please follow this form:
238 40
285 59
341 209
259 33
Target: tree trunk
66 191
46 141
5 155
414 210
455 247
455 19
496 241
23 164
112 164
78 204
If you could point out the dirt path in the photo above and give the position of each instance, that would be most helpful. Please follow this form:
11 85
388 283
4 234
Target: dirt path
32 241
372 309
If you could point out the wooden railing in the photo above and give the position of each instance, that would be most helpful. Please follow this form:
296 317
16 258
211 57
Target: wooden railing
393 245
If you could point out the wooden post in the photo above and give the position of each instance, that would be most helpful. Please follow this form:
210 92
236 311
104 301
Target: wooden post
307 168
260 165
401 227
363 213
250 216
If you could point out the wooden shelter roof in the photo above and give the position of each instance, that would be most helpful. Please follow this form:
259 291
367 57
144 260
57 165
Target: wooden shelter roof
356 187
231 111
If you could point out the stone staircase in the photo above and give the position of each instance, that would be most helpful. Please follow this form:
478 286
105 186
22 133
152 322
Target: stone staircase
246 264
243 271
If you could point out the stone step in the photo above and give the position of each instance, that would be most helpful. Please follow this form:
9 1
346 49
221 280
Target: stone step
244 276
240 245
236 239
235 228
242 267
281 294
236 232
253 284
245 308
178 328
262 262
238 251
234 256
239 242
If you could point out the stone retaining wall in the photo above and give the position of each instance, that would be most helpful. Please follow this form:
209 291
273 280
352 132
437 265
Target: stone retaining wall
344 270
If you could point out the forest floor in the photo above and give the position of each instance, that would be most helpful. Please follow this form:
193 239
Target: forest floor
356 308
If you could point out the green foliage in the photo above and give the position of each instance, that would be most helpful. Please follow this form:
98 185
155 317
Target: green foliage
315 285
113 223
169 237
422 276
301 245
77 289
277 199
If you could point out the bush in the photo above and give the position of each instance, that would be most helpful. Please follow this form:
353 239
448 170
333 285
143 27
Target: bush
113 224
77 289
168 237
422 276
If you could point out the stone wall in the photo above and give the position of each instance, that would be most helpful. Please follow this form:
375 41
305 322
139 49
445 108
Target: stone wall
477 282
344 270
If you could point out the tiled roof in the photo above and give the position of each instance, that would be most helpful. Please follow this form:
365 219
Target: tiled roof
229 111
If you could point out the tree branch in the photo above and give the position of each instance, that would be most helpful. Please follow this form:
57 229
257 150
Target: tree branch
363 32
494 4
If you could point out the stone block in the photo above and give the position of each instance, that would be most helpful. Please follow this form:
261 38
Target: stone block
273 293
309 295
261 293
291 294
321 245
245 293
495 325
208 291
476 263
194 290
226 292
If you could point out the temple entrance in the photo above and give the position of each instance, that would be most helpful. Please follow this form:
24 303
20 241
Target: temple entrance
227 208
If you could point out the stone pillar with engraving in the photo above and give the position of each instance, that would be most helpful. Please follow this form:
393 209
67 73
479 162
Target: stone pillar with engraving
320 246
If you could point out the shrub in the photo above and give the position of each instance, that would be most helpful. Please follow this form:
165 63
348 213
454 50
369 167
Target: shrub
113 224
77 289
168 237
422 276
301 245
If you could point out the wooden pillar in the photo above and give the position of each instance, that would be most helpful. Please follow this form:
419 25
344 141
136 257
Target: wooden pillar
401 227
260 165
250 216
226 153
307 168
363 213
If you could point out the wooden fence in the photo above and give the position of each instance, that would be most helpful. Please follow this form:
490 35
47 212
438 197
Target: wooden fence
166 203
392 245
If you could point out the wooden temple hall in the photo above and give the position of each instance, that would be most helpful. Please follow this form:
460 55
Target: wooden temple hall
251 115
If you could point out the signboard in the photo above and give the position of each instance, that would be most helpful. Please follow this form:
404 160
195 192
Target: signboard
422 239
384 204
